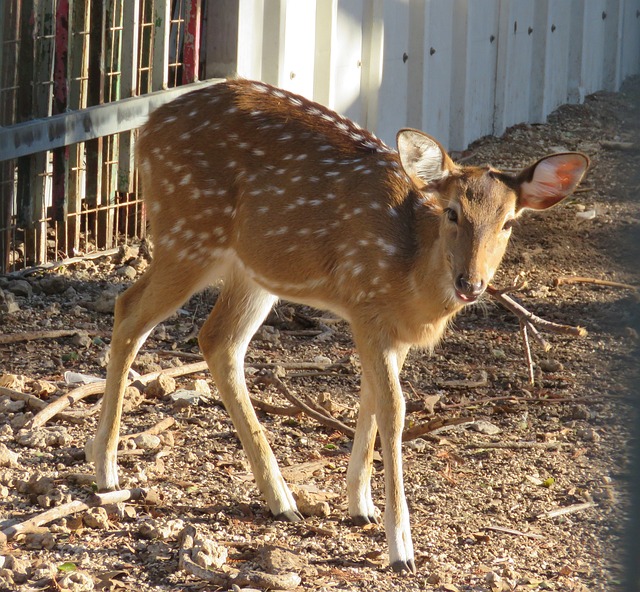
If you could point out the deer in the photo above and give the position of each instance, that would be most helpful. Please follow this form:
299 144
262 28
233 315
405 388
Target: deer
273 196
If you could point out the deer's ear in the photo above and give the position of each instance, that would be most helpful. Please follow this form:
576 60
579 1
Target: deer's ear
422 157
550 180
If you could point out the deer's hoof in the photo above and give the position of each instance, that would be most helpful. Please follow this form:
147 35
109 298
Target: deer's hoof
364 520
404 567
290 516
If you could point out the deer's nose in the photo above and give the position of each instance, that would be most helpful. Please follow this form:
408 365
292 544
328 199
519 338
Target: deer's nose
467 289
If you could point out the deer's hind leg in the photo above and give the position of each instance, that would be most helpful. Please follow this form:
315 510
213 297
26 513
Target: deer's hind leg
239 311
153 298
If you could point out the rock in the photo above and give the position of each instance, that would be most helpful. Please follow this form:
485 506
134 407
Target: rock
104 303
147 441
589 435
160 387
54 284
39 540
42 388
184 398
550 365
75 581
484 427
200 385
96 518
13 381
158 529
278 560
44 437
499 354
127 271
419 445
132 399
20 288
81 340
8 304
311 504
207 553
9 406
8 458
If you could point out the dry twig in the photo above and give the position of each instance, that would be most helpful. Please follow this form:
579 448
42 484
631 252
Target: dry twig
35 335
161 426
321 416
571 279
568 510
530 535
522 313
97 499
96 388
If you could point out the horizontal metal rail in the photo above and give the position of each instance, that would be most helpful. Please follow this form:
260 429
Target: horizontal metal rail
65 129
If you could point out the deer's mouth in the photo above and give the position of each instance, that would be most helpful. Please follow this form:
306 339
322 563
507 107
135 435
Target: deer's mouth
468 298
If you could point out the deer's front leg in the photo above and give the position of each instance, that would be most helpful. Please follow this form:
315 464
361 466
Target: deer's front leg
381 367
361 507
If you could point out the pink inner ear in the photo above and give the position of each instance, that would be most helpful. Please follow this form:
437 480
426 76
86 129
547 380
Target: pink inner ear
554 178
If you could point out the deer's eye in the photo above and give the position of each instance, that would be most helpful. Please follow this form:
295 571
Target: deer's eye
451 215
509 224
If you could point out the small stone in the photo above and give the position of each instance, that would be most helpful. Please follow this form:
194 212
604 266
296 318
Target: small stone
42 388
484 427
9 406
54 284
104 303
96 518
183 398
39 540
207 553
200 385
160 387
81 340
550 365
132 399
419 445
156 529
589 435
8 458
127 271
499 354
75 581
580 412
147 441
311 504
20 288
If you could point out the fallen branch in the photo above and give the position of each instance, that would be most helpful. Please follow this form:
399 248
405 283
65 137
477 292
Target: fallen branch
527 352
97 499
321 417
513 399
530 535
161 426
35 335
430 426
96 388
522 313
568 510
31 400
571 279
516 445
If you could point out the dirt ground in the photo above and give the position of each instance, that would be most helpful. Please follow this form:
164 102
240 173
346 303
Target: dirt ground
482 493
